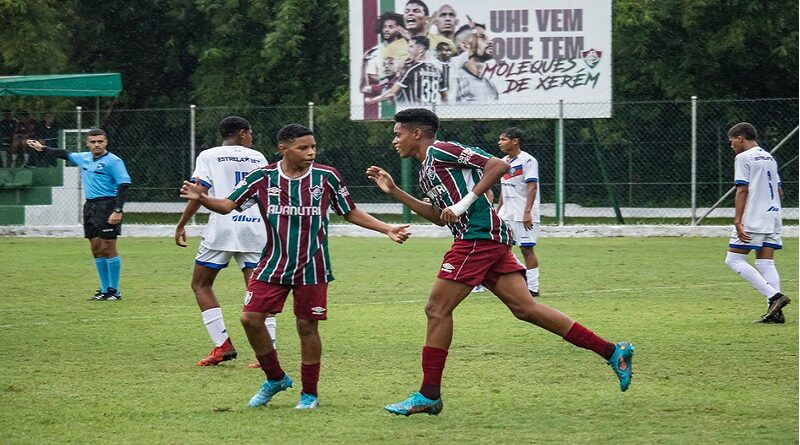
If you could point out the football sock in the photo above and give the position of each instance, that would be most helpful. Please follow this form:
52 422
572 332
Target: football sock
766 268
270 365
582 337
272 327
738 263
532 276
102 272
309 375
113 271
432 368
215 325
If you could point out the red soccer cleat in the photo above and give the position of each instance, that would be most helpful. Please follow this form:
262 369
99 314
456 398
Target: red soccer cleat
219 354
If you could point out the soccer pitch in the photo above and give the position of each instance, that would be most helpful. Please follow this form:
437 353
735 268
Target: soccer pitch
124 372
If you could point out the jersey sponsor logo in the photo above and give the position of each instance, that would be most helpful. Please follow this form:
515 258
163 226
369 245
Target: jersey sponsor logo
436 191
271 191
513 172
237 159
465 156
318 310
245 218
247 297
343 191
448 268
316 192
274 209
773 209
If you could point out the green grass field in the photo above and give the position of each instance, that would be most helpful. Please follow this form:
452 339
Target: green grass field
124 372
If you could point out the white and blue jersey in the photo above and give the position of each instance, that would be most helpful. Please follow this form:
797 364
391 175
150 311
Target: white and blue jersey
757 169
522 170
221 169
100 176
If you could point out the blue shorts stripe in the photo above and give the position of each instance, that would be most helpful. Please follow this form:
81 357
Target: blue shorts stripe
744 246
210 265
773 246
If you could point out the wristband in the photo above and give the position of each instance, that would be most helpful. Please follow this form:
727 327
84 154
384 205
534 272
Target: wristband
461 206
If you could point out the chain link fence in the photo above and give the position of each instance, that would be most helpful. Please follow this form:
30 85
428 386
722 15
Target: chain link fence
633 168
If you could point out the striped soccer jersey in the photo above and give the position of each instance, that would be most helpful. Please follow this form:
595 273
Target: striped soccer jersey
522 169
450 171
757 169
221 169
422 84
296 212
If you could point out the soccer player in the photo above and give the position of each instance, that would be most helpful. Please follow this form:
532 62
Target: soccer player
420 83
455 178
294 196
519 201
105 187
757 220
238 235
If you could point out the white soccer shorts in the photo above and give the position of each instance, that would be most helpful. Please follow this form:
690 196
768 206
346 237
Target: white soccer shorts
219 259
523 237
759 240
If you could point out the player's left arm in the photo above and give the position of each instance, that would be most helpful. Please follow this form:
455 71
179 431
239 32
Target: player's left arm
398 233
533 189
740 201
492 172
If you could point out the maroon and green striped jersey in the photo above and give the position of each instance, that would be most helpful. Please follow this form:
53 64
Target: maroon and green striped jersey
295 211
450 171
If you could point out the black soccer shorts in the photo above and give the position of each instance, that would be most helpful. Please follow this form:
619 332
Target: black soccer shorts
95 219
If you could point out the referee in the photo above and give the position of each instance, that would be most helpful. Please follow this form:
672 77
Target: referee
105 186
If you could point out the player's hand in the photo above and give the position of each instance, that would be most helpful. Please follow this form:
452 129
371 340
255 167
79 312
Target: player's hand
180 237
447 216
115 218
34 144
741 233
527 222
382 178
191 191
399 233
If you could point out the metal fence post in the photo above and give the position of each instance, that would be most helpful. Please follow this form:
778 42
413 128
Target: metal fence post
311 116
192 144
694 160
559 198
78 121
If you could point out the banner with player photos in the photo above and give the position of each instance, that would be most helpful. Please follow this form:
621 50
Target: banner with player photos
475 59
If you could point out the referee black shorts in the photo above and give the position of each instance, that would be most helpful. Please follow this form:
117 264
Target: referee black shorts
95 219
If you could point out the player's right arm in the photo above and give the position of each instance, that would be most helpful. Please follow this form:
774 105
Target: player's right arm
386 183
193 192
38 146
192 206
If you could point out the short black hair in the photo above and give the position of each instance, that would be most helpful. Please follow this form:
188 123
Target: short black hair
422 41
96 132
425 119
291 132
419 2
514 133
442 45
231 125
745 130
398 18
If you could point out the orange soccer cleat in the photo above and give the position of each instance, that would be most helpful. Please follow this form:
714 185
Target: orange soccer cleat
220 354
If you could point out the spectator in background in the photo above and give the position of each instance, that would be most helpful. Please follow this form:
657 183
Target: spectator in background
46 133
8 126
26 129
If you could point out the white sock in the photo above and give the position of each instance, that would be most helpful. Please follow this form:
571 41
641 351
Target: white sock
272 326
738 263
766 268
215 325
532 275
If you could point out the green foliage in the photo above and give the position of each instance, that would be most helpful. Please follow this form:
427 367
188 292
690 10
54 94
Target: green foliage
123 372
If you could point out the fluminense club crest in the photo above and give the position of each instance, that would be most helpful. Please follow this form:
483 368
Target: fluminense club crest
316 192
591 57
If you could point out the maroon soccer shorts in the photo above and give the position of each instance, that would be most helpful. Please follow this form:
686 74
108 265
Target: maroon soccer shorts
310 301
480 261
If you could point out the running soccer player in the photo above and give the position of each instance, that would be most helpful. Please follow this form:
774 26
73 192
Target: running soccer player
105 187
455 178
757 220
294 196
238 235
519 201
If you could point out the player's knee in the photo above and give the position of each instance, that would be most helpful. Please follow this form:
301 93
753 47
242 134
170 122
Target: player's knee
733 259
251 320
306 328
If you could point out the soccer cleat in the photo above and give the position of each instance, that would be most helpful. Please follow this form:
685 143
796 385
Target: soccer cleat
622 364
112 295
534 293
219 354
255 365
307 401
776 303
416 403
777 318
479 288
268 389
98 296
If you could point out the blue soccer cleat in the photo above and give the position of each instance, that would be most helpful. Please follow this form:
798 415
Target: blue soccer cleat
622 364
269 389
307 401
416 403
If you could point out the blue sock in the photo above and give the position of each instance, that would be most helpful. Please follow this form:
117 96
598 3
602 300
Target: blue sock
102 272
113 272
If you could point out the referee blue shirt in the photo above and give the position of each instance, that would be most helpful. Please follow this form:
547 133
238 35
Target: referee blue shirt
102 176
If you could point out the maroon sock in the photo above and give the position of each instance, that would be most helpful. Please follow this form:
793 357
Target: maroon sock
432 368
584 338
309 375
270 365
